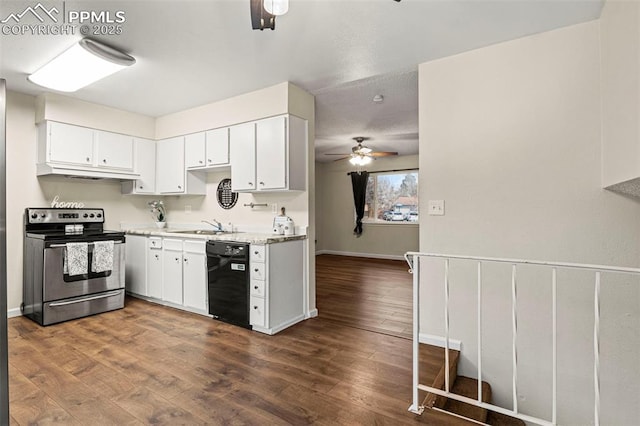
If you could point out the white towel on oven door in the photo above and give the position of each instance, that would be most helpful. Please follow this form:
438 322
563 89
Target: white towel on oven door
76 259
102 256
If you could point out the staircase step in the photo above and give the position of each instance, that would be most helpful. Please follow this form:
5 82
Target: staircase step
433 400
468 387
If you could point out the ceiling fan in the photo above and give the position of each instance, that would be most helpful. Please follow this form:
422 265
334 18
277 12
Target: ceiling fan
362 155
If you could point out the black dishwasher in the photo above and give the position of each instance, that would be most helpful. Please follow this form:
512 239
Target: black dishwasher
228 279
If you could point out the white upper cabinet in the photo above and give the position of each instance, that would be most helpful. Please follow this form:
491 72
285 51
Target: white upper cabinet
194 145
145 165
217 147
70 144
171 175
269 155
206 150
620 80
80 151
170 171
243 157
113 150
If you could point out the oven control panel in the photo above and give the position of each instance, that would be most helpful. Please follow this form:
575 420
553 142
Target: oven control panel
34 216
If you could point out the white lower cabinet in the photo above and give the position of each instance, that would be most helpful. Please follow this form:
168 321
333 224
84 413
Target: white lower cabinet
136 264
194 275
168 270
172 271
154 267
277 286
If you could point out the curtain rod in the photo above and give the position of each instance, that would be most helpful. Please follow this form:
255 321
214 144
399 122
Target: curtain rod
387 171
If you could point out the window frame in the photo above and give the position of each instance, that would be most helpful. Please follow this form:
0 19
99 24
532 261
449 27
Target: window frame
366 220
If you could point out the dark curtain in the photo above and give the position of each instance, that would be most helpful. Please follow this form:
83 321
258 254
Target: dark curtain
359 183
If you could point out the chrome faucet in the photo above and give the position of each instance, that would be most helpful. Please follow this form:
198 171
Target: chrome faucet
217 225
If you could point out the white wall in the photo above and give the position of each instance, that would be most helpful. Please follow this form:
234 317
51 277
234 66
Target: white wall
510 139
336 220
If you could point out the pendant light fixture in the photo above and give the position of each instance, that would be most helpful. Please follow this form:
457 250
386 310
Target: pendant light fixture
276 7
82 64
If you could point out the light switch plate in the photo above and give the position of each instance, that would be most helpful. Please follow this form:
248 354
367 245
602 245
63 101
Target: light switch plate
436 207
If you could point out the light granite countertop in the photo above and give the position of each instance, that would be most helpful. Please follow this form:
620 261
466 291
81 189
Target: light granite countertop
243 237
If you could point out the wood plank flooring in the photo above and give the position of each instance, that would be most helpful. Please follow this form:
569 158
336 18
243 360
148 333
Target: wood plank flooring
150 364
372 294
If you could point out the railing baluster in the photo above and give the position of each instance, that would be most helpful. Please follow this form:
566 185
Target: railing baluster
596 351
479 331
554 314
415 270
446 325
514 335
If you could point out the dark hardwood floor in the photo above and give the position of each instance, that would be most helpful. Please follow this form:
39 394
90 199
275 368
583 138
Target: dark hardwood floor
371 294
149 364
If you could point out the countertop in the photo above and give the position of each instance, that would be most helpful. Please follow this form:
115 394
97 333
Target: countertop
243 237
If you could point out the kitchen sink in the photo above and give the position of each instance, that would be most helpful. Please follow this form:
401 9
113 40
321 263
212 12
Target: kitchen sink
202 232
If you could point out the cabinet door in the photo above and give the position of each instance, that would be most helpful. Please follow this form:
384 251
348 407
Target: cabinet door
172 276
145 164
136 264
194 148
242 146
194 280
70 144
217 147
170 172
271 153
154 273
113 150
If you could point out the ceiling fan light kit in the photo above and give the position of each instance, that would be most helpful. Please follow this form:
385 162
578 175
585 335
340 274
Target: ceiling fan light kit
82 64
264 12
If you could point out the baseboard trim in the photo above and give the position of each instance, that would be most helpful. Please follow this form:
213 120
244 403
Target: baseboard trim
15 312
439 341
312 313
357 254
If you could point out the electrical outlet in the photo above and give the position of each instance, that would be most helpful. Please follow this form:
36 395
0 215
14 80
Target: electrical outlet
187 209
436 208
274 208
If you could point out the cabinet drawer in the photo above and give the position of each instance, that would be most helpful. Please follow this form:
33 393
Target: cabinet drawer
257 288
155 242
258 253
197 247
258 271
170 244
257 314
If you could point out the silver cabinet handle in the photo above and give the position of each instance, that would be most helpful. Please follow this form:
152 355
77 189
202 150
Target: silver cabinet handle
104 160
88 159
261 183
251 183
140 187
209 160
157 257
179 187
85 299
200 161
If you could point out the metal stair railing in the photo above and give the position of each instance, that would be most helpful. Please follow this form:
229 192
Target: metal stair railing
413 259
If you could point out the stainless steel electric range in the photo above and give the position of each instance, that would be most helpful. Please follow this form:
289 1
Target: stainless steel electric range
72 266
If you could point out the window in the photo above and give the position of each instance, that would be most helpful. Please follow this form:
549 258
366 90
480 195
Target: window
392 197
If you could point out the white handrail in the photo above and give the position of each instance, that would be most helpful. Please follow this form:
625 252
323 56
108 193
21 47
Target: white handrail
413 259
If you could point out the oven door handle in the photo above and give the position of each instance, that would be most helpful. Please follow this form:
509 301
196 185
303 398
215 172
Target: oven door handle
85 299
64 245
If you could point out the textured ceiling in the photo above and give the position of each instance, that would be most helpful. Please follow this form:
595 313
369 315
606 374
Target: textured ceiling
191 53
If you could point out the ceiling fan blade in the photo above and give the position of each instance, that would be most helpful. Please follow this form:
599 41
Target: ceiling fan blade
343 158
382 154
333 153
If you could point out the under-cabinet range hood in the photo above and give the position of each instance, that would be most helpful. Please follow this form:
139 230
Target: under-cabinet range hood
59 170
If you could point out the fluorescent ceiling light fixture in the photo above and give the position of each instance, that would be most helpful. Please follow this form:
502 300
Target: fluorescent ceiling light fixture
276 7
82 64
360 160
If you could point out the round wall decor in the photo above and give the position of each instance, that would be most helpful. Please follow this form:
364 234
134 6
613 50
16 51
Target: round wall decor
226 198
